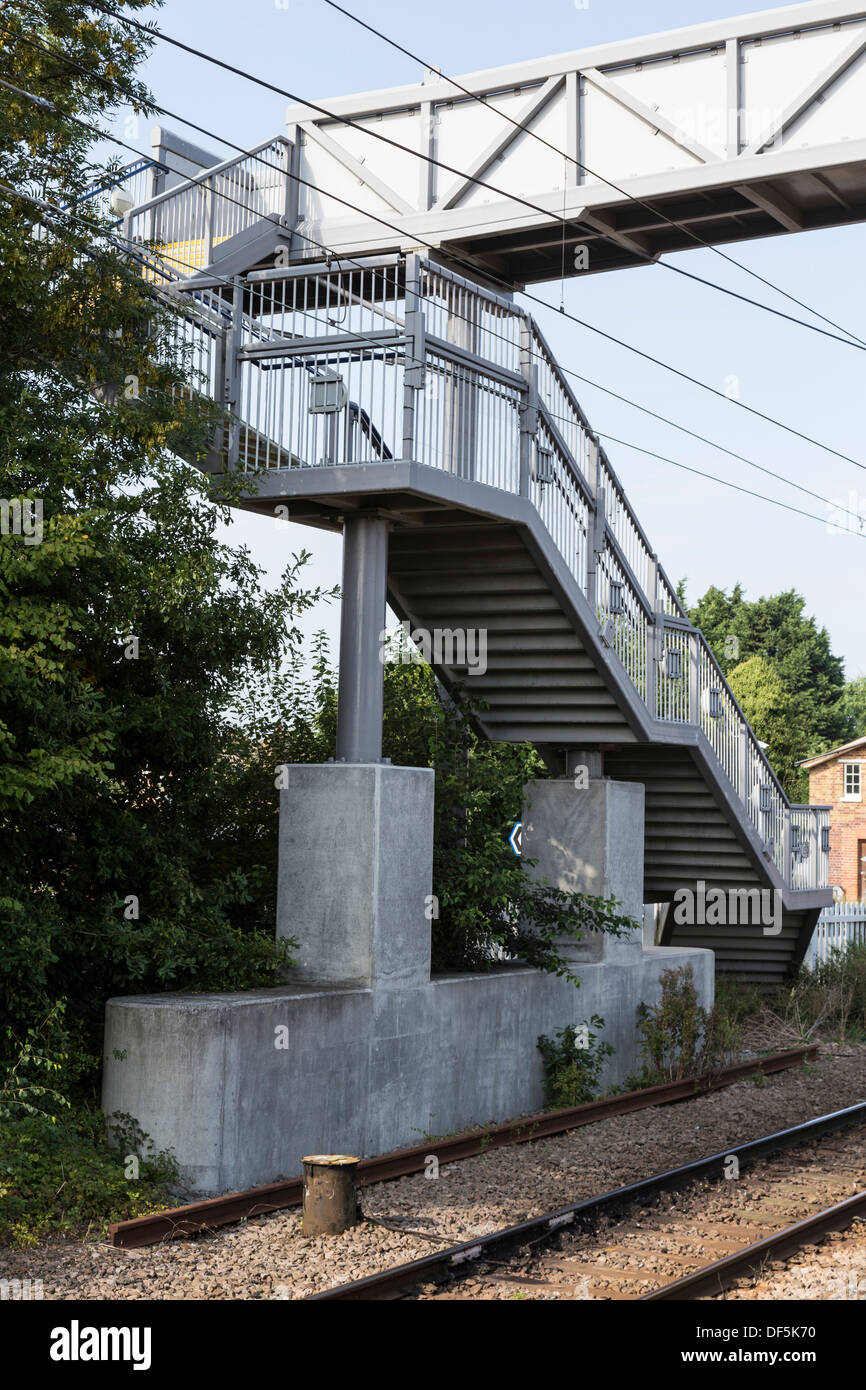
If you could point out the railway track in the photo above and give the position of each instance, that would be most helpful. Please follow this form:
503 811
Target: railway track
687 1233
196 1217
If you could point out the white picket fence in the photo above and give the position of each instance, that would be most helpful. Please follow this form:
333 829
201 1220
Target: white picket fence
839 926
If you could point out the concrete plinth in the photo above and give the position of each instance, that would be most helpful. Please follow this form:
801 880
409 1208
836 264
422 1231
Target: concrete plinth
589 839
366 1052
355 872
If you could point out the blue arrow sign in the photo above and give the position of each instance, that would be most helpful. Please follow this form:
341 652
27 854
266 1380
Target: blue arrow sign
515 838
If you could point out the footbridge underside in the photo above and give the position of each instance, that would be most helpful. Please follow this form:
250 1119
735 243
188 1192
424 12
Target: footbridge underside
466 559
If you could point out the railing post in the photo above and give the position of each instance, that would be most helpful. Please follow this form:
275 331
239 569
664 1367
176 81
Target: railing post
787 862
529 408
596 538
814 850
232 375
652 642
743 767
414 372
694 679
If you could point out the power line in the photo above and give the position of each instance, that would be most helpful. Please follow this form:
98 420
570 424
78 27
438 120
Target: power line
44 206
672 222
685 376
725 482
849 341
46 104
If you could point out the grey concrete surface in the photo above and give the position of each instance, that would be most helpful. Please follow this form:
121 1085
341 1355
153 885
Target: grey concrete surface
365 1070
589 839
355 872
366 1052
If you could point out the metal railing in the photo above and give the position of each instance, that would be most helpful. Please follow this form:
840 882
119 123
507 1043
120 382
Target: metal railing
391 357
186 223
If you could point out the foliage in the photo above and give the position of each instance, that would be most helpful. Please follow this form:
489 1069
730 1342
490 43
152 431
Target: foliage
680 1038
768 706
127 630
69 1178
854 708
777 630
573 1063
828 1000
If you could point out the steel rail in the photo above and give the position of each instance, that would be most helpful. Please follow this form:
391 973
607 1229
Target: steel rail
197 1217
717 1277
458 1260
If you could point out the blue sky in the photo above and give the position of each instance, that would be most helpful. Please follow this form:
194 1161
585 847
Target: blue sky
701 531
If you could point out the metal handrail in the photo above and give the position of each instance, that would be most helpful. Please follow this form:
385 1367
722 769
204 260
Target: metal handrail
214 169
495 398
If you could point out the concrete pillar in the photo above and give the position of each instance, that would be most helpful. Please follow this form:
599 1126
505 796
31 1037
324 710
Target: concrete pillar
355 873
589 840
362 621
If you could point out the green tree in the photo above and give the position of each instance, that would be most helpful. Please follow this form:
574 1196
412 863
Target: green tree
854 708
767 705
126 624
789 641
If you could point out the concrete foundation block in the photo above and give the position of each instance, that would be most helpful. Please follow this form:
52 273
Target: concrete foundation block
241 1086
365 1052
355 872
589 839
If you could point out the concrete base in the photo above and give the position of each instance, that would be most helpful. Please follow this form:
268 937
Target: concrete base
362 1070
366 1053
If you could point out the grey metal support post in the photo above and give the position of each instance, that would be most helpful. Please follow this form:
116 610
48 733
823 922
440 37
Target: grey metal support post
361 685
461 417
595 539
814 846
694 679
232 376
653 644
414 372
529 408
787 861
743 766
292 204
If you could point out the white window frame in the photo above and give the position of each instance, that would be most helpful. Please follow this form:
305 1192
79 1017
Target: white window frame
852 796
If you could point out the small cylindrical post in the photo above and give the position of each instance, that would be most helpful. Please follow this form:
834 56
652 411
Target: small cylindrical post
362 622
330 1202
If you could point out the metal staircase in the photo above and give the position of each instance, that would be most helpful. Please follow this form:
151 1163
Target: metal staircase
388 387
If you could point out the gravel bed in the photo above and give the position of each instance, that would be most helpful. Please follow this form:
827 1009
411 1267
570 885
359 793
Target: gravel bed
626 1257
834 1270
268 1257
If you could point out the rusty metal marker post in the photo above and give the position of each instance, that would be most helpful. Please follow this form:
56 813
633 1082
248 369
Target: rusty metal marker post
330 1203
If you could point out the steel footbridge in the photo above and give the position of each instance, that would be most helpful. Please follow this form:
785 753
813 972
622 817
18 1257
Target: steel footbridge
349 300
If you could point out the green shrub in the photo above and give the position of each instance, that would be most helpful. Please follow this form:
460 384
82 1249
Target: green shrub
572 1063
680 1038
829 999
66 1177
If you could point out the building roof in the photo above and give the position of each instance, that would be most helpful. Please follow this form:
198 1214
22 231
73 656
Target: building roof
859 745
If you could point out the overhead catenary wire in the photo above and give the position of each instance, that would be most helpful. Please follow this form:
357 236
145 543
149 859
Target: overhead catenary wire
725 482
151 29
47 104
533 298
572 159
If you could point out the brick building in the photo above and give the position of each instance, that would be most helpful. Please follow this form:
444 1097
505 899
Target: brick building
838 779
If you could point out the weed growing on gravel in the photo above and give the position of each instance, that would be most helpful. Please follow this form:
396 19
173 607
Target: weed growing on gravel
679 1038
828 1001
572 1064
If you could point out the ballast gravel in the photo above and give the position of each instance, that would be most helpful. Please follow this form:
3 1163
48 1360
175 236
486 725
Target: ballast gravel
269 1257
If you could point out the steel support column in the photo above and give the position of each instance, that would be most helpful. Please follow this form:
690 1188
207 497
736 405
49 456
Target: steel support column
361 686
